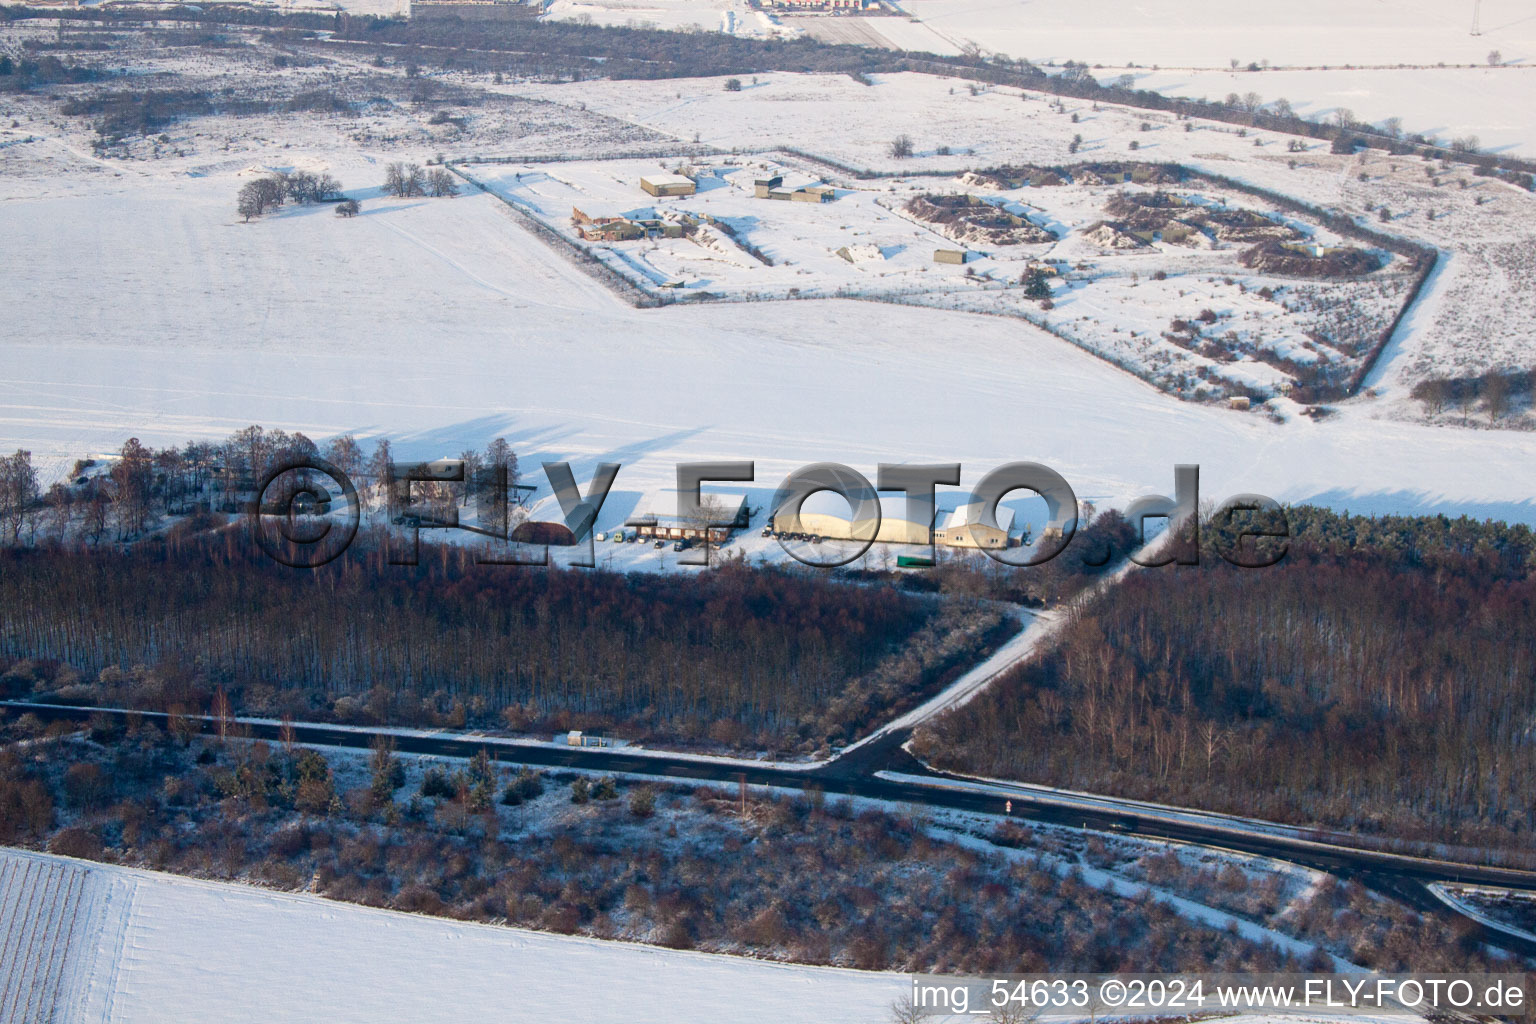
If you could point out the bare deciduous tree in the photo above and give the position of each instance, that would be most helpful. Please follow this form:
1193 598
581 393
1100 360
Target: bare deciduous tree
1495 395
18 491
403 180
441 183
907 1010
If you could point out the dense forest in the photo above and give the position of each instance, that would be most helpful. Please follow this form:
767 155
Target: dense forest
1382 678
741 656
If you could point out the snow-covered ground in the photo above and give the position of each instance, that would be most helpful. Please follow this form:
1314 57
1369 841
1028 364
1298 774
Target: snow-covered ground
1412 59
1439 103
1478 311
1212 33
1116 294
443 324
734 17
159 949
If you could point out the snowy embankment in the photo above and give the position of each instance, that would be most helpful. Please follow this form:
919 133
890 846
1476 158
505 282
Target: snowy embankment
162 949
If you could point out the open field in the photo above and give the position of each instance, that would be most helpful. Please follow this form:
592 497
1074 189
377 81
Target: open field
1438 103
473 328
155 931
1210 33
444 323
1417 61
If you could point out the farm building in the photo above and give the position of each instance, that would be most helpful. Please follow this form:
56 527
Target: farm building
805 191
962 530
813 194
955 256
762 186
668 185
597 223
650 522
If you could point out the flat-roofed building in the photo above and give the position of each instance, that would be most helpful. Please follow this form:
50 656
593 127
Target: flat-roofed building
669 185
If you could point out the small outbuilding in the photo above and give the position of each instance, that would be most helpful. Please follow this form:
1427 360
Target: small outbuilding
952 256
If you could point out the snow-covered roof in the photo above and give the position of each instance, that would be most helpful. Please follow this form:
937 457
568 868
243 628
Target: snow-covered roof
971 513
666 179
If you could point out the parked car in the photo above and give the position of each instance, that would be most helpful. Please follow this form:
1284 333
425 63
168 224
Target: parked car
682 545
600 537
618 536
660 543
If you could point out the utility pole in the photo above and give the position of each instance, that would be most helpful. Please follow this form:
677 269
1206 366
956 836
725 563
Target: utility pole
1477 17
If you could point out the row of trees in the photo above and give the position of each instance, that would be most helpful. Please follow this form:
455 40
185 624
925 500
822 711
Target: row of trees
135 490
1497 392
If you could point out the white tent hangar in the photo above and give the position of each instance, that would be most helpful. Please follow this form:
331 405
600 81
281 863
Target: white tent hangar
961 530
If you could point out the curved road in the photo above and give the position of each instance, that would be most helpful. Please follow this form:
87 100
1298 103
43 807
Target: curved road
855 774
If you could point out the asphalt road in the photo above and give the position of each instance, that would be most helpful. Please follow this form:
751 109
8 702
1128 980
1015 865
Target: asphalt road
1398 875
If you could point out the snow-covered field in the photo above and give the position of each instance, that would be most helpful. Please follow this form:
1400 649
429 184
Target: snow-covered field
138 305
1416 60
1438 103
137 946
443 324
1212 33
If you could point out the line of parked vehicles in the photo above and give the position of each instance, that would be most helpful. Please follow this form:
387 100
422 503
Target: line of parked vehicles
769 531
633 537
